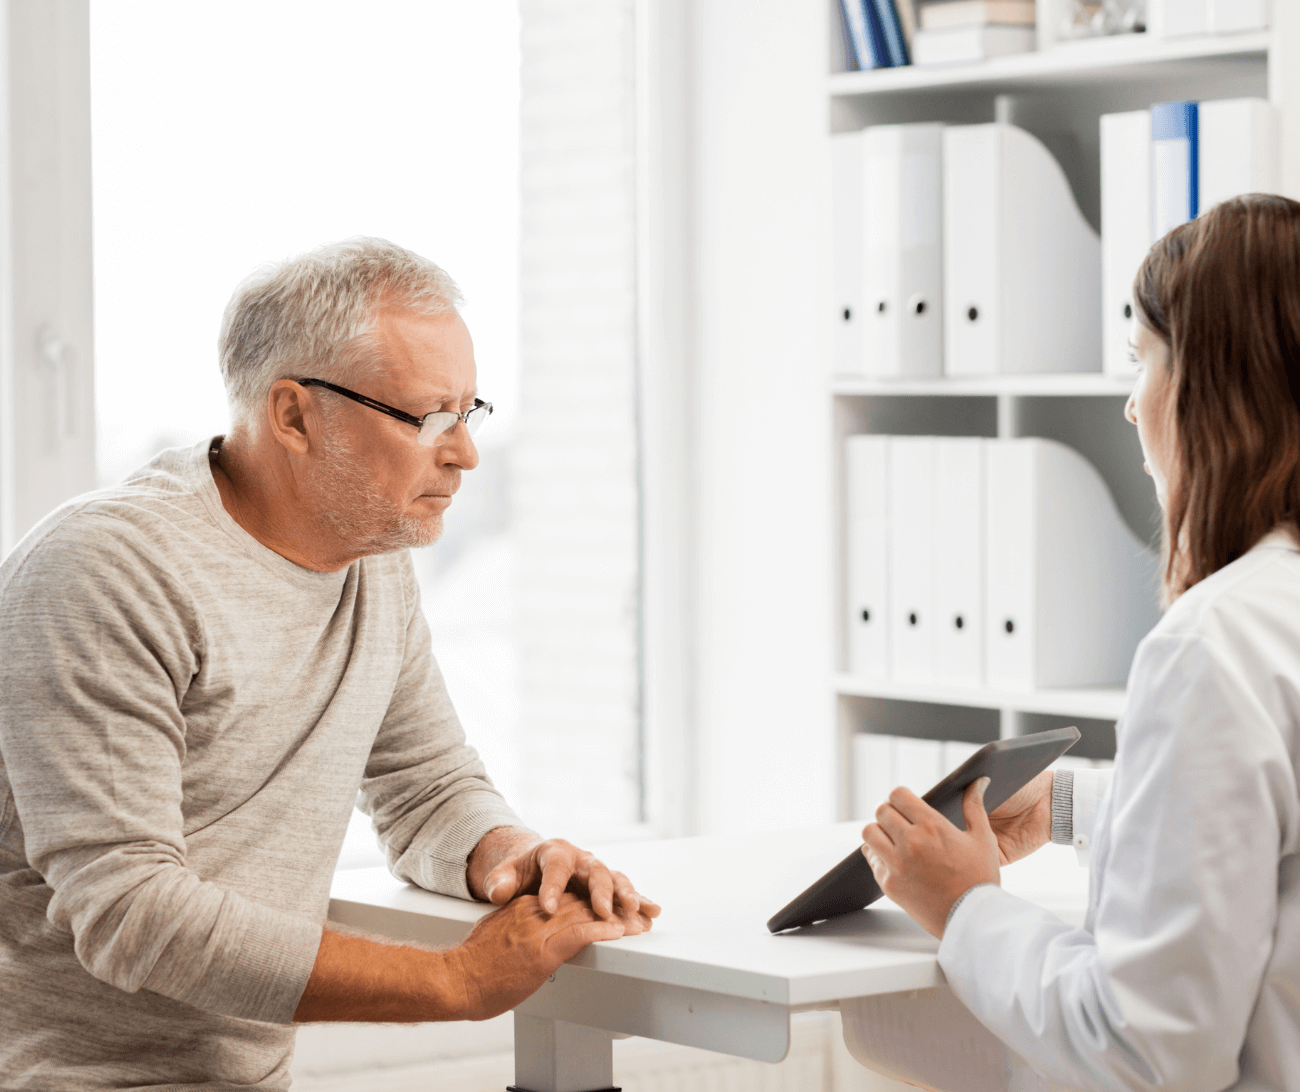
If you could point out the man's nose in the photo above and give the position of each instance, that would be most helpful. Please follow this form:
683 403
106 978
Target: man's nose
458 449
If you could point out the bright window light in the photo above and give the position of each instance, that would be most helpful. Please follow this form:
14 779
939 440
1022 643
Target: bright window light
229 134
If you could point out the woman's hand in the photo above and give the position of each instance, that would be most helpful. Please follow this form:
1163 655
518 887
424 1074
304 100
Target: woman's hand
1023 823
924 863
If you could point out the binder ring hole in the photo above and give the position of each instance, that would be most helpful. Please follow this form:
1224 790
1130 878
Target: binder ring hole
973 313
1128 310
866 615
919 307
1009 625
882 307
911 619
848 314
959 622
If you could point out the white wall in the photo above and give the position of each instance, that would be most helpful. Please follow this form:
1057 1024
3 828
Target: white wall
765 737
46 344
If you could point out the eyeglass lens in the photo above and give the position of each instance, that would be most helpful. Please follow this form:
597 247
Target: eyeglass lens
436 428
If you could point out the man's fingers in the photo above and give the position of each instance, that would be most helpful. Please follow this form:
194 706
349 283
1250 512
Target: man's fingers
648 907
600 889
588 932
624 893
556 874
972 807
502 884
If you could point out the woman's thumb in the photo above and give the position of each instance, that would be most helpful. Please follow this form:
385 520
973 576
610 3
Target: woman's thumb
972 806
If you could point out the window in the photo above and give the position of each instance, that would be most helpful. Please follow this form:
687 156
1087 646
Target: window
229 134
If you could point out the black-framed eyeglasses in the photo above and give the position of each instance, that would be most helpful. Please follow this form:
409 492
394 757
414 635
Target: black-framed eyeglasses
435 428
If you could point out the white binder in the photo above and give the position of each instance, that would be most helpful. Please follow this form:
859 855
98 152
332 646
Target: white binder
955 753
911 558
846 253
1070 589
873 773
1022 267
959 561
903 279
867 505
1238 149
1125 226
1227 16
919 763
1176 18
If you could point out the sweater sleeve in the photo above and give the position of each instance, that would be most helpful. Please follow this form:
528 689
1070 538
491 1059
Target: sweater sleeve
425 787
100 646
1159 994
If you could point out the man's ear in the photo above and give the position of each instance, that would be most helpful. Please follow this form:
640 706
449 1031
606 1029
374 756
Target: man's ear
292 416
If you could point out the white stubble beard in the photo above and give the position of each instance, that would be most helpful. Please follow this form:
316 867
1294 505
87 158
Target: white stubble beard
353 508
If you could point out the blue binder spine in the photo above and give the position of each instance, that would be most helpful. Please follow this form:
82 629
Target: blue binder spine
1175 165
892 27
875 35
858 32
851 61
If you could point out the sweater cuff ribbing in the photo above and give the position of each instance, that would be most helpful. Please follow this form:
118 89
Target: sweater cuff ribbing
1063 807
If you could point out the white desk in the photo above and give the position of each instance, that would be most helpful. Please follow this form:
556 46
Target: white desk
709 974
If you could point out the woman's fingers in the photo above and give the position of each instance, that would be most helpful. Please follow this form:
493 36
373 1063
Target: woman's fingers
891 821
972 807
910 806
875 846
877 840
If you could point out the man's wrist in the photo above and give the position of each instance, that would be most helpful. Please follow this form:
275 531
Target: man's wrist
357 977
454 986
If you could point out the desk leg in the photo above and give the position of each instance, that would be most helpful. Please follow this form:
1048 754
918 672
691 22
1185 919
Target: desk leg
554 1056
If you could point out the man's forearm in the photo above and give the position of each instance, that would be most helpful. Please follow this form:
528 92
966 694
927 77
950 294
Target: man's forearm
356 979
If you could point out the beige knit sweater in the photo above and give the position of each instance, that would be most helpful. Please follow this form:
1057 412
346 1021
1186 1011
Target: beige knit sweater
185 720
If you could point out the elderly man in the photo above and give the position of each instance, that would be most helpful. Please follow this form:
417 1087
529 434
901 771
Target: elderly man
201 668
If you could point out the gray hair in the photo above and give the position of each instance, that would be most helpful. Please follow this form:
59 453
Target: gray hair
315 315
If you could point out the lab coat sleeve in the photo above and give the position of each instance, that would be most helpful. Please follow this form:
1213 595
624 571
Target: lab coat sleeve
1159 993
1089 788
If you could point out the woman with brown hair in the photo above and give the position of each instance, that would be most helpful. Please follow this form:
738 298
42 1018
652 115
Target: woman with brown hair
1186 974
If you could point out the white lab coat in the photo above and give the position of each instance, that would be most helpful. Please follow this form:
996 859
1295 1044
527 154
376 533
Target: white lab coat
1187 973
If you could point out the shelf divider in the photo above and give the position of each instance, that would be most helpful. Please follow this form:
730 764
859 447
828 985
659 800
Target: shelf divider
1121 58
1093 703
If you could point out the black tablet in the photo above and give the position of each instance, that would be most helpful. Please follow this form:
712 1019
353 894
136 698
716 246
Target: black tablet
1009 764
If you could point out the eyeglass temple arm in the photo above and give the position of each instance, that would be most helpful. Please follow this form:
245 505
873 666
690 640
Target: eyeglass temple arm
401 415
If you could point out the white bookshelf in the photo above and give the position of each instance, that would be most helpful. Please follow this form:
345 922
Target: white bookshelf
1087 703
1085 383
1126 59
1059 94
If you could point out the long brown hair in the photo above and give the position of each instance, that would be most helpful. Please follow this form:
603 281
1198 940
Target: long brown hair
1224 293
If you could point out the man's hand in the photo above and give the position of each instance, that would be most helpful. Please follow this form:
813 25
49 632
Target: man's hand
504 959
923 862
511 952
508 863
1023 823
